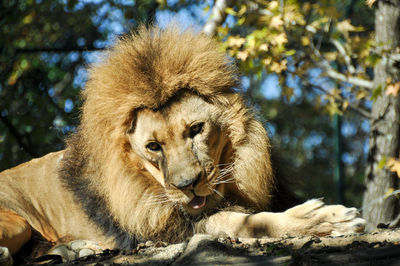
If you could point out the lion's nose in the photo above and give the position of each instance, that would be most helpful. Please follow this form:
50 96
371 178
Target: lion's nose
188 183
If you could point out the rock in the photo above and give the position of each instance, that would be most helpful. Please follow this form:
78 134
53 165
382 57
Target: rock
149 243
65 252
151 256
170 253
198 240
76 249
77 244
85 252
252 242
5 257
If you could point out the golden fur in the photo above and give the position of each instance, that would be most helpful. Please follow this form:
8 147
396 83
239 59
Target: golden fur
172 88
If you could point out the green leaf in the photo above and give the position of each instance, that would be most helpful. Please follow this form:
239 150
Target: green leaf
333 108
288 92
376 93
241 20
382 162
230 11
206 8
290 52
373 59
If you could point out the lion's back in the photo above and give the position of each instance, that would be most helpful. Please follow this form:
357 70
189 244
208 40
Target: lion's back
34 191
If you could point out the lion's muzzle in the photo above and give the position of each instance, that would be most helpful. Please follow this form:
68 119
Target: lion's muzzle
189 184
186 183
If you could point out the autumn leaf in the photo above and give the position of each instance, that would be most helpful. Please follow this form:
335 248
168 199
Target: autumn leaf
242 55
305 41
267 61
276 22
346 26
278 67
332 106
330 56
236 42
263 47
280 39
345 104
361 94
394 166
393 89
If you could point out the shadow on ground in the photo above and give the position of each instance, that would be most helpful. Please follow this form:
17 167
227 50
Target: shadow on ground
381 247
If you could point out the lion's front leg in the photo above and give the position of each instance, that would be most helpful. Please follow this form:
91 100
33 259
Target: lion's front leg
309 218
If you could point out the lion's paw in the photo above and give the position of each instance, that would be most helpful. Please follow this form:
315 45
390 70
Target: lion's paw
316 218
5 257
76 249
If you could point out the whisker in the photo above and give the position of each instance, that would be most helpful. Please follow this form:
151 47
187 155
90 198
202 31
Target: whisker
154 201
217 192
227 169
159 197
226 181
222 176
156 197
222 164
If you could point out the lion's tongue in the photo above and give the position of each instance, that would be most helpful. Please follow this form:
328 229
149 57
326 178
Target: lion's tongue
197 202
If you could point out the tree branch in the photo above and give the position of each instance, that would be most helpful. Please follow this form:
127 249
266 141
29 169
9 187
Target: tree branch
217 17
324 64
357 108
341 77
346 58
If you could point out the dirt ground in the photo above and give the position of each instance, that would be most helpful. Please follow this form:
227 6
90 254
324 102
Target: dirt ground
381 247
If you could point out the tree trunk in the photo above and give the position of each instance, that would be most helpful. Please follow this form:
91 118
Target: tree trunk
217 17
385 122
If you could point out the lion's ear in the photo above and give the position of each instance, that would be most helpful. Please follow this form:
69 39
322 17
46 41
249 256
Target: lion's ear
131 122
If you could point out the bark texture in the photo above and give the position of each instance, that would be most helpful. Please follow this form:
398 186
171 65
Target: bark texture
217 16
385 122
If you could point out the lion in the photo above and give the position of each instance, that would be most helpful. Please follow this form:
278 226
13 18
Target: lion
166 148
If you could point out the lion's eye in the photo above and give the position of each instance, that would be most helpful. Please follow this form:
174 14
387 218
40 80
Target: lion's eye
196 129
153 146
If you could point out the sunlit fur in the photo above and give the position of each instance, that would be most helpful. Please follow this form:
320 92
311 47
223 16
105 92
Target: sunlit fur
146 70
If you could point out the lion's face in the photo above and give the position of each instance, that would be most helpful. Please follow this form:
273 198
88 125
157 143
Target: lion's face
184 147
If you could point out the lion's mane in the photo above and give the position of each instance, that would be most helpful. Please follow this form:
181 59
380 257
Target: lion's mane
147 69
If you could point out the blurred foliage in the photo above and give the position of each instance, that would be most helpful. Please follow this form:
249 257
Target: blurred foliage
284 48
321 54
